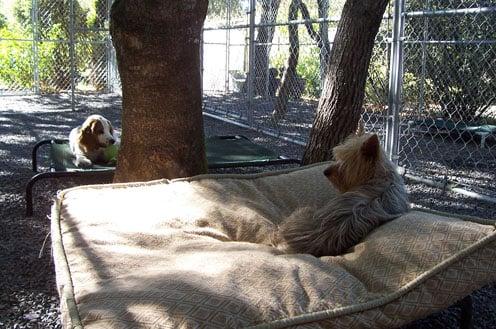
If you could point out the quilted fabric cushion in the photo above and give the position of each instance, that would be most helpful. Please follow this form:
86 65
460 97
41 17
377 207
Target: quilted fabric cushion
190 253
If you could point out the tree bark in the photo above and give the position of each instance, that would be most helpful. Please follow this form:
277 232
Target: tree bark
340 104
158 55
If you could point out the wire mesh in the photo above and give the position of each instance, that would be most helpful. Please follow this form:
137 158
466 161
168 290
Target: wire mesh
448 117
54 46
275 77
446 113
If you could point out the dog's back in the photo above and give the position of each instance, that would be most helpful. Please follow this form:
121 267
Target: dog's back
370 192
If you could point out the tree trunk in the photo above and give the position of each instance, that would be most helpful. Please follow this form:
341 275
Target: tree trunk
265 35
288 80
321 38
341 101
158 54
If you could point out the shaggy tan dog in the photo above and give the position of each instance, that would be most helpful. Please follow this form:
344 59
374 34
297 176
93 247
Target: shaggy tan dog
369 193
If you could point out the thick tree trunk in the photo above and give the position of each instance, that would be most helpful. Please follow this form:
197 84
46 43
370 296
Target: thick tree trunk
288 80
158 54
341 101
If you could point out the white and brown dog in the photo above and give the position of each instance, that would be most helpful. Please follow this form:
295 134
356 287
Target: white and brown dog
89 140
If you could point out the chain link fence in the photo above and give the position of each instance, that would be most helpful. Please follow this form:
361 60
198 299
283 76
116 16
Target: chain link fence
430 94
54 47
448 115
286 44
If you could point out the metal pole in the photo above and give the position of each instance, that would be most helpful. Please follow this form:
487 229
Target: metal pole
34 22
251 61
202 68
324 37
395 82
424 68
108 45
228 45
72 54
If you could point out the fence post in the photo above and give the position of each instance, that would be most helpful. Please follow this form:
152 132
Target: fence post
251 62
108 51
228 46
72 54
202 66
395 83
34 47
324 37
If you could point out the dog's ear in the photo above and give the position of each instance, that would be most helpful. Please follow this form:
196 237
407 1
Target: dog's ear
87 129
96 127
370 148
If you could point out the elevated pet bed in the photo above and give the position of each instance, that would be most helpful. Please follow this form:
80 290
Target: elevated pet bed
222 152
483 134
187 253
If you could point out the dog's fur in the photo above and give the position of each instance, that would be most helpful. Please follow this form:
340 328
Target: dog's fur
370 192
89 140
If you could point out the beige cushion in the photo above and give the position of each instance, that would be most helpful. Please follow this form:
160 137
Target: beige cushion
185 253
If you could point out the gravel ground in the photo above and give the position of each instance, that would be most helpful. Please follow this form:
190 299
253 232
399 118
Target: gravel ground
28 298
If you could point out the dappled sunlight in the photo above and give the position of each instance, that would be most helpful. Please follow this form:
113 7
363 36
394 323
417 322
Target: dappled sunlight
209 263
157 222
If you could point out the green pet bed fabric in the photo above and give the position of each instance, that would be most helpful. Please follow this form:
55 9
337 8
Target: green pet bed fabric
221 151
190 253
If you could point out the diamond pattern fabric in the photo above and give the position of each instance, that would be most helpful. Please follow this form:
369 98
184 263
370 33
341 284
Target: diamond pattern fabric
191 253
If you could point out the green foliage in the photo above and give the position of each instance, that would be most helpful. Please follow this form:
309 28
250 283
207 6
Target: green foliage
376 88
464 79
308 68
22 13
218 8
53 54
16 61
3 21
460 75
54 62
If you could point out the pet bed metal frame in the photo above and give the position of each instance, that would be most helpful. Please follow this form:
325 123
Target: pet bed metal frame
230 151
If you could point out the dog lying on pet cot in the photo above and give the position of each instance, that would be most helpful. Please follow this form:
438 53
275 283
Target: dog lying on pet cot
199 251
224 151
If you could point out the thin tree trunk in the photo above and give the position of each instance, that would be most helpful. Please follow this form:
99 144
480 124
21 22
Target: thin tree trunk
321 38
341 101
288 80
265 35
158 54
